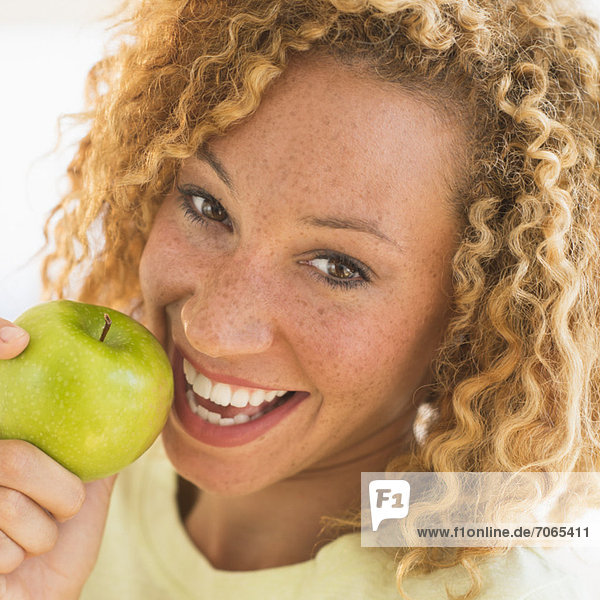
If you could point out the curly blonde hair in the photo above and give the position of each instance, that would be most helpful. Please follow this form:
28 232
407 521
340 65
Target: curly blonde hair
516 378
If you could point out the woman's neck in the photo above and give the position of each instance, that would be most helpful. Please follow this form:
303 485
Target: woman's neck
281 524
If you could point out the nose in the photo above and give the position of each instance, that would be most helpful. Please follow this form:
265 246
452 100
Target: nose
229 313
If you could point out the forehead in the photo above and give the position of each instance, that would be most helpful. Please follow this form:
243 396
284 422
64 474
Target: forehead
330 130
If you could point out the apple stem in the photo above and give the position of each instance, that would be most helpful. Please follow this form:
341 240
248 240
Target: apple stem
107 324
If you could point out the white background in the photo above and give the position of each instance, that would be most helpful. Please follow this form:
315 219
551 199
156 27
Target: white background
46 49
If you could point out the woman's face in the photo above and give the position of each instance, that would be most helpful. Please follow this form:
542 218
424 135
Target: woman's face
307 251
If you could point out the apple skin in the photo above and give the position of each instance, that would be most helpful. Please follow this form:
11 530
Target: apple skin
92 406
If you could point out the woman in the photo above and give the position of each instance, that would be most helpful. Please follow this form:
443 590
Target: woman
331 214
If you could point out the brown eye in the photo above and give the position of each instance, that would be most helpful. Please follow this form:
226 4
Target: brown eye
334 267
340 270
209 208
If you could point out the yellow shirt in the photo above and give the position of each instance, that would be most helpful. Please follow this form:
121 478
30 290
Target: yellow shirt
147 555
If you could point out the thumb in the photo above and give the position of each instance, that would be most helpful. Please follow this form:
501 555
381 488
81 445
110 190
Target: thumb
13 339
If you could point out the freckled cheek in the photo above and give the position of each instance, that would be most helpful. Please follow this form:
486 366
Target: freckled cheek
166 269
365 366
367 357
342 352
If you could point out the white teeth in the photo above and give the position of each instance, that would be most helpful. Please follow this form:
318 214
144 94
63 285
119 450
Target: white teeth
190 372
223 394
202 385
202 412
220 394
216 418
257 397
191 401
240 398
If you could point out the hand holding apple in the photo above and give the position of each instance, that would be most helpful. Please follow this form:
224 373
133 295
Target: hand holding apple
91 394
50 522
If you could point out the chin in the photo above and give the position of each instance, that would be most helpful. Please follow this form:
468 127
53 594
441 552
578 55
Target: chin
213 474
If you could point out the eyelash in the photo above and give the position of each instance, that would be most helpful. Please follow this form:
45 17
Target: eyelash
346 284
191 212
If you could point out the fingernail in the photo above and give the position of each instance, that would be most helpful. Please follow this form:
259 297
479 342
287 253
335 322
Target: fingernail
10 333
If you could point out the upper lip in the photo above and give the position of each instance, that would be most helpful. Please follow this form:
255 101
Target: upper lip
230 379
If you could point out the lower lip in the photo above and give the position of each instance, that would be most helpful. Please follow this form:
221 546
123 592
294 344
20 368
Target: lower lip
230 435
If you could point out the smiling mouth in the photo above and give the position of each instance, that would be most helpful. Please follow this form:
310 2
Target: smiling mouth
225 405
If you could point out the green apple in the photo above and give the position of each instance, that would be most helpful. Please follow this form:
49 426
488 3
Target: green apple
93 392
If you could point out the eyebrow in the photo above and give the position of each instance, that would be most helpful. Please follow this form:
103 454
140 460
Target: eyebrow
355 224
204 153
